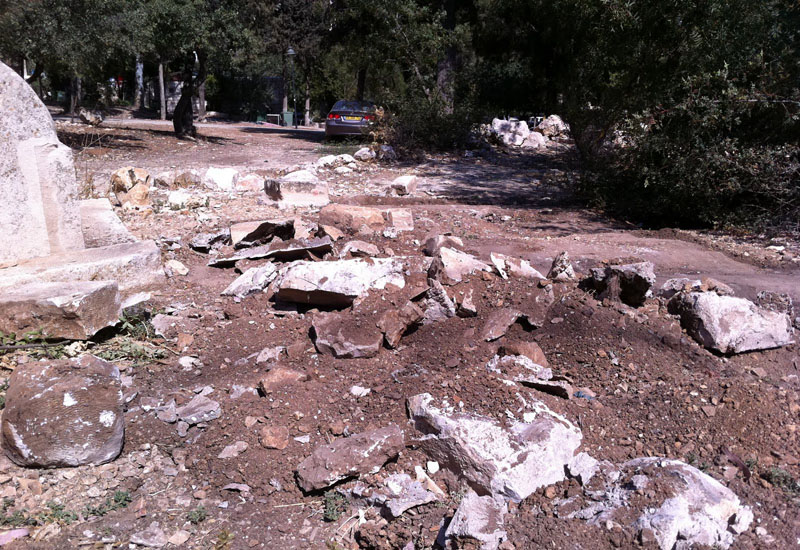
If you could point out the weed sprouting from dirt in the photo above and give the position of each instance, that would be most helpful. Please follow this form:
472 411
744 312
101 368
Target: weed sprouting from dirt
198 515
783 479
335 506
224 540
119 500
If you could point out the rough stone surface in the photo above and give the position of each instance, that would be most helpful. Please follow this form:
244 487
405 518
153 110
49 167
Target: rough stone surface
254 280
101 226
629 283
681 506
437 305
477 520
553 127
135 266
278 377
221 179
451 266
401 219
274 437
435 243
731 325
298 189
344 337
131 187
252 183
531 350
206 242
515 267
404 185
358 454
535 140
152 537
199 409
500 320
261 232
74 310
359 249
38 189
510 132
63 413
509 462
562 269
352 218
337 283
365 154
395 322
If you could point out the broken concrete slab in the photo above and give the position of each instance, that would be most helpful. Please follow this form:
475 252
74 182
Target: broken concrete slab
254 280
451 266
358 454
260 232
345 336
101 226
478 519
135 266
509 462
630 284
337 283
395 322
731 325
71 310
63 413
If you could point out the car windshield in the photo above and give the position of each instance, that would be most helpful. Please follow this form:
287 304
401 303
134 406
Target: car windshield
360 106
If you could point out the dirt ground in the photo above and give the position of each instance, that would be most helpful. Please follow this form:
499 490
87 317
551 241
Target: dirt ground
647 388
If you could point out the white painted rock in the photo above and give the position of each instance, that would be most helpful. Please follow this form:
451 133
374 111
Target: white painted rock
507 462
337 283
221 179
731 325
63 413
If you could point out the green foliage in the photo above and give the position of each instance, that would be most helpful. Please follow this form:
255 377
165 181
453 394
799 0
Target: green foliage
335 505
120 499
198 515
783 479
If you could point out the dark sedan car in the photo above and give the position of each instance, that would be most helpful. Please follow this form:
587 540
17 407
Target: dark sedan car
349 118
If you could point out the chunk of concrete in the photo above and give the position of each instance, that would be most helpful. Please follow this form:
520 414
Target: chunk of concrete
63 413
348 457
73 310
508 462
731 325
404 185
337 283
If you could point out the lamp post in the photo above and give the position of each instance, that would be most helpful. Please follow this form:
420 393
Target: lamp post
291 53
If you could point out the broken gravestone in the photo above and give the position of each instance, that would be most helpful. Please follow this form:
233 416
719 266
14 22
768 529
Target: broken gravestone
63 413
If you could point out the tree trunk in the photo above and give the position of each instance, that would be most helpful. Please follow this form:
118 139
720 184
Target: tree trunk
201 95
161 92
75 95
137 96
307 117
361 83
285 106
447 66
183 117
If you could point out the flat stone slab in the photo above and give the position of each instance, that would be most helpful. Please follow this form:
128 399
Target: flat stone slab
101 226
135 266
73 310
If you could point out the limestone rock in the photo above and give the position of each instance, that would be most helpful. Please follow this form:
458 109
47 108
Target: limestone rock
561 270
467 307
535 140
274 437
254 280
199 409
386 152
221 179
628 283
477 520
72 310
359 249
731 325
352 218
152 537
337 283
451 266
38 189
101 226
63 413
404 185
553 127
681 505
400 493
279 377
92 118
434 243
500 320
358 454
395 322
510 132
174 267
516 267
206 242
131 186
401 219
252 183
508 462
437 305
531 350
182 199
297 189
365 154
344 337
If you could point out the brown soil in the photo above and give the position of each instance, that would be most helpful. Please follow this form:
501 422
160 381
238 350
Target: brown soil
655 391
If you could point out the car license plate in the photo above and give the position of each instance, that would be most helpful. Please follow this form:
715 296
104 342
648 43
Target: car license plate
352 118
